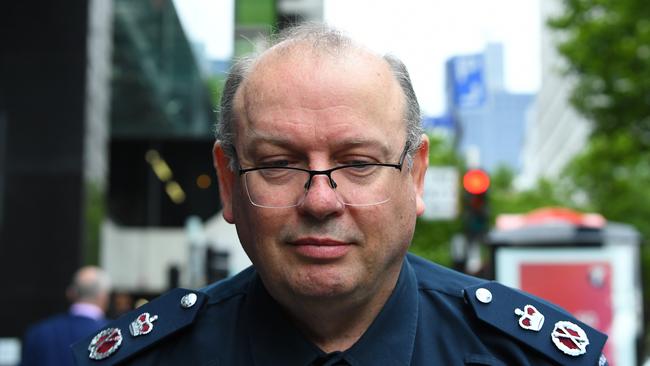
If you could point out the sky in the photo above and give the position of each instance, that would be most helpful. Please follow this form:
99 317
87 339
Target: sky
423 34
210 22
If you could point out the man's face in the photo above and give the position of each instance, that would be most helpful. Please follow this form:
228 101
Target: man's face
317 112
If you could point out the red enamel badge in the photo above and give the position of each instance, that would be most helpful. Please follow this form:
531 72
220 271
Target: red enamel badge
570 338
143 324
530 318
105 343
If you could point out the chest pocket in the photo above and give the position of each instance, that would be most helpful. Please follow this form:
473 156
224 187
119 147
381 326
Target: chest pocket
482 360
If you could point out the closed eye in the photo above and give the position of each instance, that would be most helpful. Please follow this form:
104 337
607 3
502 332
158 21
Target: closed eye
357 161
358 170
280 163
279 174
360 166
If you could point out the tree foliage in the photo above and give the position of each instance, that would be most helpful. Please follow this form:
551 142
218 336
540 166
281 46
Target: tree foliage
505 199
215 84
616 177
607 44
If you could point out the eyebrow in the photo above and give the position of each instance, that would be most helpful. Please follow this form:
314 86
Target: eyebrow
284 142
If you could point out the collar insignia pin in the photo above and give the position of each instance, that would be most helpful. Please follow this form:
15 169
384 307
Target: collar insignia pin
105 343
188 300
570 338
142 325
530 318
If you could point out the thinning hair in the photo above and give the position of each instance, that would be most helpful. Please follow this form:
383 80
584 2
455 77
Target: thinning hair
324 39
89 283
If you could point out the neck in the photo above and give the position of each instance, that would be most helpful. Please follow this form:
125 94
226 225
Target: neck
336 324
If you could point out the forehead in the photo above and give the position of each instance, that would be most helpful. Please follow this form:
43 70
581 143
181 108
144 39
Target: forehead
304 89
313 72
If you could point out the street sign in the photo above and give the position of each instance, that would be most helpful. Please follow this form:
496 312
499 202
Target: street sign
468 78
445 121
441 193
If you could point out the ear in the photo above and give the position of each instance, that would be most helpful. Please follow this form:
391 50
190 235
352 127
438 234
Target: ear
420 165
226 179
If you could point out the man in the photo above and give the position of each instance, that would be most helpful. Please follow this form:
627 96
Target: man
48 342
321 163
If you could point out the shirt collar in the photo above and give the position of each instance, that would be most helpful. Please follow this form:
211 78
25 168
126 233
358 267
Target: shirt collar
388 340
391 337
87 310
273 339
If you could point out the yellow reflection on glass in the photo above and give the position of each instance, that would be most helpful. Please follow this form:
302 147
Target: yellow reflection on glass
175 192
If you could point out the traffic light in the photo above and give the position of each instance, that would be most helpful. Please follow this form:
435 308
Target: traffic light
476 214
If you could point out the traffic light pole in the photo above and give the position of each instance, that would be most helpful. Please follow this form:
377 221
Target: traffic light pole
475 217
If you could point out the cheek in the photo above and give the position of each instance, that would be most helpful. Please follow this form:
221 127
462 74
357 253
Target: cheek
391 219
246 221
402 217
387 225
257 228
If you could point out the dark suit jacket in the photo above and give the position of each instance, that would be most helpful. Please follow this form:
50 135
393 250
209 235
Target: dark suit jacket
48 342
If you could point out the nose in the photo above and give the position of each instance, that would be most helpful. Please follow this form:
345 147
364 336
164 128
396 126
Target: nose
321 200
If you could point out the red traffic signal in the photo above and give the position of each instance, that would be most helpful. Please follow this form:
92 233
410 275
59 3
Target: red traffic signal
476 181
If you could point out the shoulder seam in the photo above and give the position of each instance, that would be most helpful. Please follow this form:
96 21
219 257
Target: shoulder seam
437 290
223 297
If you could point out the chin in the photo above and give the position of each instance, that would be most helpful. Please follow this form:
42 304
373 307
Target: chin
322 283
321 292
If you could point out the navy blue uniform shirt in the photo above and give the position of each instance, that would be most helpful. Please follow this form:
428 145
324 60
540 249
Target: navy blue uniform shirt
435 316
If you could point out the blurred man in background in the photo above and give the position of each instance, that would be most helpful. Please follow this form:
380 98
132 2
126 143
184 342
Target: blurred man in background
48 342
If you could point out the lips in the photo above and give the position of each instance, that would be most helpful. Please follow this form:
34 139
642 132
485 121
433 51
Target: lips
320 249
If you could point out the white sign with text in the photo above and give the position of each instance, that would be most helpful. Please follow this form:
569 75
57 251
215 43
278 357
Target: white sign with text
441 193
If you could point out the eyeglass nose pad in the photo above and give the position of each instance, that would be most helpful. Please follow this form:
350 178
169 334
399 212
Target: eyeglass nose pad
331 180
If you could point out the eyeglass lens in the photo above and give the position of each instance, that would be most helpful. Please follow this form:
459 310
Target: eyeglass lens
355 186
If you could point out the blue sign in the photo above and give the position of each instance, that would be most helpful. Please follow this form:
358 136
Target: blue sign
468 81
432 123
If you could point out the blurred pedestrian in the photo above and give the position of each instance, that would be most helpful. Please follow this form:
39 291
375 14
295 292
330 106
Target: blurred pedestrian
48 342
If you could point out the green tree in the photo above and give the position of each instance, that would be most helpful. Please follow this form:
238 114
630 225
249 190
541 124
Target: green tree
215 84
506 199
607 45
616 177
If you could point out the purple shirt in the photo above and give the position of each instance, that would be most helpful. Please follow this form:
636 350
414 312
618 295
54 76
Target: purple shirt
88 310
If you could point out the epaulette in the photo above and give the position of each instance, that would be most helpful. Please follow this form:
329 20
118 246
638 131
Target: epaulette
139 329
540 325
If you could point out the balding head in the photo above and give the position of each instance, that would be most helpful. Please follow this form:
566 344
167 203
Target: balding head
90 284
316 42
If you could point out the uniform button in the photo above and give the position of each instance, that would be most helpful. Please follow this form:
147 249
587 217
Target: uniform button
188 300
484 295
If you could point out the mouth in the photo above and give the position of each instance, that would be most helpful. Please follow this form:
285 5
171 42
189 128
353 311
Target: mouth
320 249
